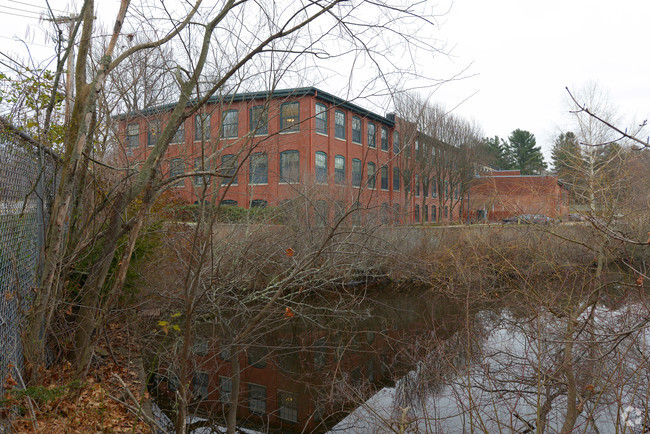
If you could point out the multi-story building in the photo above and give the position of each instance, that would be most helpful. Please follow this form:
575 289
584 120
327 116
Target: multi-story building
269 147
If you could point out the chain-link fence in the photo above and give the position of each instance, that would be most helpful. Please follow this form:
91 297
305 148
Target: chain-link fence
27 174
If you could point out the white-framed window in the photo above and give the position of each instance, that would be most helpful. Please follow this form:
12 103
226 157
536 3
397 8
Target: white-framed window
198 167
396 179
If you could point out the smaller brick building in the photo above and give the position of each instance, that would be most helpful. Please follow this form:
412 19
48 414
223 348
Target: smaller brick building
497 195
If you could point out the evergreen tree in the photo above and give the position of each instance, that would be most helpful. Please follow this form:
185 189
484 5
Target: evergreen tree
526 156
498 152
566 156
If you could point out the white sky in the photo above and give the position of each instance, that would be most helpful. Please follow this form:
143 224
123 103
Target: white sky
522 54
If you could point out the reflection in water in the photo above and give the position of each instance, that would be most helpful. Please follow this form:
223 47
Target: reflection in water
311 372
519 380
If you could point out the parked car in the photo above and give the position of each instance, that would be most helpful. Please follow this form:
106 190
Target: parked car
539 219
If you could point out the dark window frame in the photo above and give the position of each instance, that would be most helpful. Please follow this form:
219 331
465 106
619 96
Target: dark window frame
356 132
371 175
202 120
133 137
356 174
230 124
372 136
257 161
259 121
287 122
231 169
320 173
288 173
321 118
339 173
384 139
339 127
384 177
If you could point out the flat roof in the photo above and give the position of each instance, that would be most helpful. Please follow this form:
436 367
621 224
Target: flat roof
266 94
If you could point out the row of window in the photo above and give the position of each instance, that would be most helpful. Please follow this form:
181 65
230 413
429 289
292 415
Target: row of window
434 217
290 170
287 401
289 122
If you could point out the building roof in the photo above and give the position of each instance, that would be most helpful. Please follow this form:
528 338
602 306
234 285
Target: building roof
281 93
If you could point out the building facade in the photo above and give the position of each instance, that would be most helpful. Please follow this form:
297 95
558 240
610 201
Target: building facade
497 195
269 147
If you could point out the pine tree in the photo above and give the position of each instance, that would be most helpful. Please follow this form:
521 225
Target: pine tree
526 156
497 150
566 157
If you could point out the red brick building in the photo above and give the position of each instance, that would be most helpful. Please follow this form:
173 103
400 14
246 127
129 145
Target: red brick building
501 194
269 147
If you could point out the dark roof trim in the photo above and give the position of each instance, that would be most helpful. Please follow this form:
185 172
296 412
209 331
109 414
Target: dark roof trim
281 93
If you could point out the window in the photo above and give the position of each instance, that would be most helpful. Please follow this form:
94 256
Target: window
339 169
372 169
384 139
225 389
229 169
177 168
259 203
395 142
258 169
425 213
396 178
257 354
260 120
433 214
356 129
132 135
417 213
288 403
446 211
384 177
230 124
372 130
339 125
321 118
201 127
320 353
356 172
417 147
384 211
227 202
200 383
290 166
417 185
456 192
200 347
290 116
321 167
152 132
256 398
179 135
322 212
199 167
434 187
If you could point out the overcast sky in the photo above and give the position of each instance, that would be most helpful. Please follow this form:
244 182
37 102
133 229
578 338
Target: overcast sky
522 55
